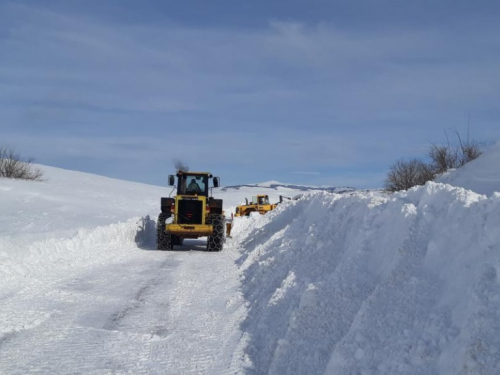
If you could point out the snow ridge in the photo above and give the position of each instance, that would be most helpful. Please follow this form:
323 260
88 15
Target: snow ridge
374 284
35 262
481 175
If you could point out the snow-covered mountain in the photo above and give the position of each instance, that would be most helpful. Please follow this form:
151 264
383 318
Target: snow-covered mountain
358 283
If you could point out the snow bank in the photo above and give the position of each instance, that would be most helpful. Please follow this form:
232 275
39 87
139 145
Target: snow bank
69 200
360 283
234 197
374 284
481 175
22 262
70 221
74 220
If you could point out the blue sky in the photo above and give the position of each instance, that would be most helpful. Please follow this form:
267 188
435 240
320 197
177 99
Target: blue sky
317 92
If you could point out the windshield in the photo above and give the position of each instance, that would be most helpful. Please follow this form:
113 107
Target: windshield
263 200
193 184
260 200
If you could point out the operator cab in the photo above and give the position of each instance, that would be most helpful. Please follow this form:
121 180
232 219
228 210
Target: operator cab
260 199
193 183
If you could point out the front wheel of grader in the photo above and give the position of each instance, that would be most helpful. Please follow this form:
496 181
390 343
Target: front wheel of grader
163 239
217 239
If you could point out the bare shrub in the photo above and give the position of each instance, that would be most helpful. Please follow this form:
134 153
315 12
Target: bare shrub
443 158
406 174
447 157
12 165
469 150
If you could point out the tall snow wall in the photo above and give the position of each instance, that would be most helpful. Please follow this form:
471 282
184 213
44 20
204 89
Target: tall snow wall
374 284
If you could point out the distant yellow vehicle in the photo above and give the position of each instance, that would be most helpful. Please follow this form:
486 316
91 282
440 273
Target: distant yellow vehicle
259 203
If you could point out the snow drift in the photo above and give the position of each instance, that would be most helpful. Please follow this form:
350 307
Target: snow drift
22 262
76 220
374 284
481 175
355 283
72 221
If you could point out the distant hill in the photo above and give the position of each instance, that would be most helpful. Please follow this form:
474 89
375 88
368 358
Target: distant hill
276 185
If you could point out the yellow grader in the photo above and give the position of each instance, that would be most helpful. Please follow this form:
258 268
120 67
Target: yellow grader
192 213
260 203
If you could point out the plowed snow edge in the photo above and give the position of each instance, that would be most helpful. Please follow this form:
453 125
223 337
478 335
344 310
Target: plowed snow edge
366 283
23 263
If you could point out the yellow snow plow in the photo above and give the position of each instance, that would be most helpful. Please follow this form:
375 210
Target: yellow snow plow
260 203
192 213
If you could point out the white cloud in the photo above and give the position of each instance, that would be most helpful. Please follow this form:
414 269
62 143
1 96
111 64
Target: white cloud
292 96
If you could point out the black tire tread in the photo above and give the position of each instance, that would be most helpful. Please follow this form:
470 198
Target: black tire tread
216 240
163 239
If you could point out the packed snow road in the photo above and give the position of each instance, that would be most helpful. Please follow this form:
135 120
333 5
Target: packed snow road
152 312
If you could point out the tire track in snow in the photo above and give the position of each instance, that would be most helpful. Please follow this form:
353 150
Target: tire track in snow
158 312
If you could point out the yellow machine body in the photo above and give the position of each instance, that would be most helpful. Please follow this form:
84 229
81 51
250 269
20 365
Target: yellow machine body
187 230
260 204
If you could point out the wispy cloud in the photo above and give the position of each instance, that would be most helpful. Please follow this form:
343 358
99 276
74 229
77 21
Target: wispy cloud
286 97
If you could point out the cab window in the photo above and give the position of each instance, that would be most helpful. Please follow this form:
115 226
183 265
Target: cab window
263 200
194 184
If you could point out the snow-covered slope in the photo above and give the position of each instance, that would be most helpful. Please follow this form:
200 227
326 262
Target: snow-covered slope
481 175
235 196
373 284
355 283
63 223
82 291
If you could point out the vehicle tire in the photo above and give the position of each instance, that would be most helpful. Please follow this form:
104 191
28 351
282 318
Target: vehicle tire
163 239
176 240
217 239
247 213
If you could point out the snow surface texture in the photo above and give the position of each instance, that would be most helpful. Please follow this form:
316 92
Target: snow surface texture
371 284
358 283
481 175
81 290
64 222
